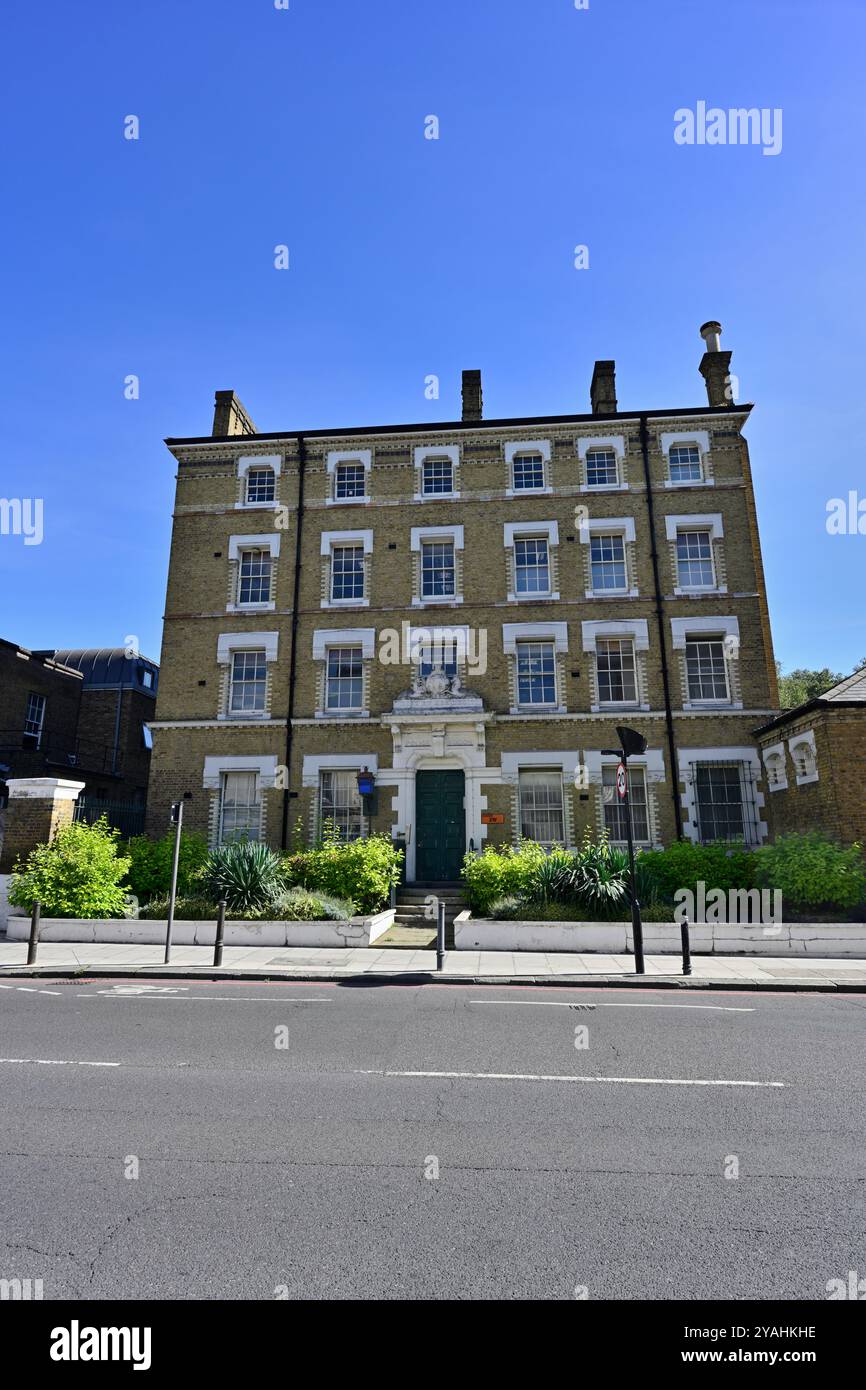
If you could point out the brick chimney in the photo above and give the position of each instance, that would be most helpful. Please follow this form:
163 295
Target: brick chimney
472 396
229 416
715 366
602 389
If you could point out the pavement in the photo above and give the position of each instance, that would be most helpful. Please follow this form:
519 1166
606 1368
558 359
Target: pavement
200 1140
300 963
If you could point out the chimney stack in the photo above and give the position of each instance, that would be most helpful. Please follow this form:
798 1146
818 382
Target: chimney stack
472 396
602 390
229 416
715 366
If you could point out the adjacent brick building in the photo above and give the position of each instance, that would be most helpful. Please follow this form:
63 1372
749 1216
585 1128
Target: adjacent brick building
467 610
814 758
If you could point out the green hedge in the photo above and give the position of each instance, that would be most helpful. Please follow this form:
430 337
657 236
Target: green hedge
150 864
78 874
360 871
812 872
684 865
500 872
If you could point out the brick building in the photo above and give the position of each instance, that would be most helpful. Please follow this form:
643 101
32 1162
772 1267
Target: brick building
67 713
468 610
814 758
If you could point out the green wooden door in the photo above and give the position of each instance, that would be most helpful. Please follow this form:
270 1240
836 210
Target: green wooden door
440 825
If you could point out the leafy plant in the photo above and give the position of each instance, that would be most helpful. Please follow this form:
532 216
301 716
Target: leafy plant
77 875
508 909
360 872
247 874
300 905
150 868
500 871
684 865
812 871
600 879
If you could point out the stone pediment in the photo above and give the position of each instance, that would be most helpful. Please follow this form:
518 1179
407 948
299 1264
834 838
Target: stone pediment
437 693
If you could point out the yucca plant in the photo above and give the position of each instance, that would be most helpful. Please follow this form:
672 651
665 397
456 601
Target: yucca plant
247 874
600 879
551 879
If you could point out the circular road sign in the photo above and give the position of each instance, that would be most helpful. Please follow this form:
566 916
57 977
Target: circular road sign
621 781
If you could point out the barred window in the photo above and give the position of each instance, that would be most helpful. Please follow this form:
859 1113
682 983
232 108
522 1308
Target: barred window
601 467
536 673
248 682
437 476
254 584
240 807
438 576
614 806
615 669
724 803
261 483
706 669
541 815
350 480
607 563
527 471
344 679
685 463
531 566
695 560
347 572
340 803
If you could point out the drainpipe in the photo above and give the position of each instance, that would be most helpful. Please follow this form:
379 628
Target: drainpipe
660 623
296 589
117 729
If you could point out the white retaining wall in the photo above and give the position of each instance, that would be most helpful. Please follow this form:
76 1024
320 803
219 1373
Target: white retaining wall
358 931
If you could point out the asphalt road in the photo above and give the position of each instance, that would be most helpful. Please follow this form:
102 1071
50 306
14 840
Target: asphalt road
310 1169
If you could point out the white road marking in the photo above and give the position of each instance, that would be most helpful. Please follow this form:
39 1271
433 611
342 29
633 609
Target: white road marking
533 1076
618 1004
204 998
56 1062
27 989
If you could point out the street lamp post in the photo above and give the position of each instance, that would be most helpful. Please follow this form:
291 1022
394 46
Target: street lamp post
177 821
633 744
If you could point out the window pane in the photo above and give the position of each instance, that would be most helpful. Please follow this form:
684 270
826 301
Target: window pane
344 678
601 467
255 576
541 816
350 480
437 476
437 569
340 803
615 664
614 808
607 562
719 803
528 472
241 810
685 463
260 485
249 674
531 566
694 559
705 669
347 572
536 673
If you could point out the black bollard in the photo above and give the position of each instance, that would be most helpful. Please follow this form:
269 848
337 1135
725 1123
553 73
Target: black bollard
440 936
220 928
34 934
687 955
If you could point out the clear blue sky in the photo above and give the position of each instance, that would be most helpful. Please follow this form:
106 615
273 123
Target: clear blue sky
410 256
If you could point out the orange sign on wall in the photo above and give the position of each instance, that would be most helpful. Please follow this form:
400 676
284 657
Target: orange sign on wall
492 818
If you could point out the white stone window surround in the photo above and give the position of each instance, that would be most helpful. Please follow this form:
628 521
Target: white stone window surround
557 633
635 629
323 639
215 765
424 452
728 628
269 541
515 530
699 437
804 742
775 753
314 763
585 445
610 526
333 459
687 756
244 464
698 521
227 644
417 536
528 446
652 764
331 539
513 764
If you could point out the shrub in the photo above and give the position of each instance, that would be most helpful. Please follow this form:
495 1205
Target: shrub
684 865
499 872
150 869
300 905
600 877
77 875
247 874
812 871
507 909
186 909
359 872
